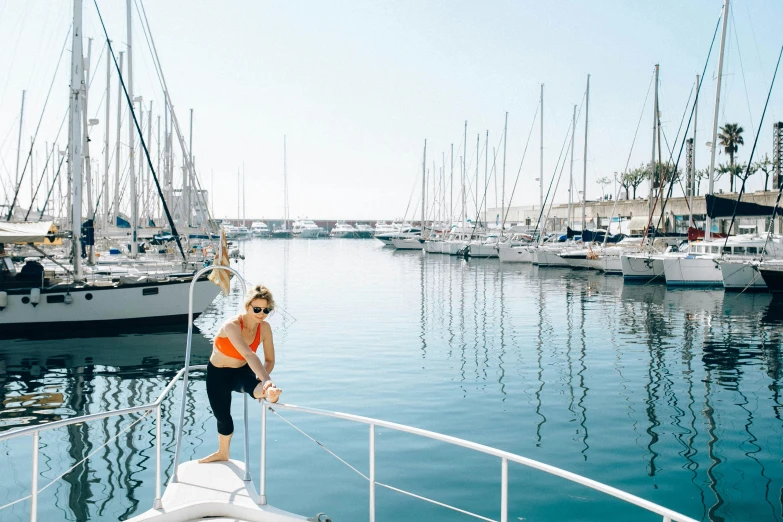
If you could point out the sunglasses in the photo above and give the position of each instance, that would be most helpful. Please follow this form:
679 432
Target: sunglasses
258 310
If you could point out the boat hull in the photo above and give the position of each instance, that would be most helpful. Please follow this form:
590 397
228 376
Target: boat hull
692 271
741 276
641 268
139 304
517 254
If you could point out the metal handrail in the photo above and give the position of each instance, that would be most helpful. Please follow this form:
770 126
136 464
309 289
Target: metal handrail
186 370
505 456
35 432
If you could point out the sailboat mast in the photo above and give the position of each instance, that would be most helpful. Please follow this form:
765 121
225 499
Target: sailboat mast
116 203
571 174
131 133
451 189
285 187
693 154
655 133
476 187
503 185
423 187
186 176
19 149
584 160
105 190
708 224
75 145
147 189
541 173
464 174
486 165
86 146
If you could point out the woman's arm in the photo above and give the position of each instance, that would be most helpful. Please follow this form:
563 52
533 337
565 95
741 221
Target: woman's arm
234 334
269 347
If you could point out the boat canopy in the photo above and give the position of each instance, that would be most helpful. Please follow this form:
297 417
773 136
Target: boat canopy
41 232
724 207
638 223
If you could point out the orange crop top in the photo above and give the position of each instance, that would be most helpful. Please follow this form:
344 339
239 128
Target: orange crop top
224 346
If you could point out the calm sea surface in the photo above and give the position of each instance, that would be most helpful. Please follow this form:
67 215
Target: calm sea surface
672 395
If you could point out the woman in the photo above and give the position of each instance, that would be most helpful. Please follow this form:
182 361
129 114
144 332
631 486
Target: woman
234 365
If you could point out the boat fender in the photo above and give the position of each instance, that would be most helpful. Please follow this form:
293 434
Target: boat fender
35 296
320 517
68 299
3 300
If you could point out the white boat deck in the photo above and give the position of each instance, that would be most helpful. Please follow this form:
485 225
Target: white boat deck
214 491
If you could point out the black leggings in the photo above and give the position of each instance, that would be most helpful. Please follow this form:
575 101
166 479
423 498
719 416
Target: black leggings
220 383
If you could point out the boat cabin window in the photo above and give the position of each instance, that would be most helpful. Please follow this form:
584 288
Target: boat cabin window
697 250
714 249
752 250
739 250
727 250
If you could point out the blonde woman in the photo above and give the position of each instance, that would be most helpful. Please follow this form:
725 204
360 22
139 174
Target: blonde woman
235 367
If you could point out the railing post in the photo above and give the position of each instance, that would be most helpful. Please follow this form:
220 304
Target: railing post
34 487
262 485
247 441
504 490
158 504
372 472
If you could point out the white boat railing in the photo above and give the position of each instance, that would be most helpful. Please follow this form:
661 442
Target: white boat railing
505 456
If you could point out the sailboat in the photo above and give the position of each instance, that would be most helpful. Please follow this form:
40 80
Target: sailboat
34 297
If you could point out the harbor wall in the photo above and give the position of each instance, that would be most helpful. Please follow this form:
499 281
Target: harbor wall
599 214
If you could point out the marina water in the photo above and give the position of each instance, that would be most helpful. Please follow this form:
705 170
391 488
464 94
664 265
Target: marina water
672 395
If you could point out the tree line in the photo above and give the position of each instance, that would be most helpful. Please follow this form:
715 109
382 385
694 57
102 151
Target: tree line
730 138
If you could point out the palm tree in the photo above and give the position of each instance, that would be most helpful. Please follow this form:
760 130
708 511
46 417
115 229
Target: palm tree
730 139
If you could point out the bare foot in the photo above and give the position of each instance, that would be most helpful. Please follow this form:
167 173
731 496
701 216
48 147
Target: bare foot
215 457
267 391
273 393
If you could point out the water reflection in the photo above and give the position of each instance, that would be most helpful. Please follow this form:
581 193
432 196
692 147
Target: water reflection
673 395
674 353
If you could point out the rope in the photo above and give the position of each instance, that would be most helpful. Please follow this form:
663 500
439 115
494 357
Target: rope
324 447
365 477
80 462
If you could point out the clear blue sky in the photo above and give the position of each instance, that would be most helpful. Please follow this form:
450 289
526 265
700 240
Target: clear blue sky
357 87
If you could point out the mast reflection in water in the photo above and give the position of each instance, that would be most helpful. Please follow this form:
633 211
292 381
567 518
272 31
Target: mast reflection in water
672 395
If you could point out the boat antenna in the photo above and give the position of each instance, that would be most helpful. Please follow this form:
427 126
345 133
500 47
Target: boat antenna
141 136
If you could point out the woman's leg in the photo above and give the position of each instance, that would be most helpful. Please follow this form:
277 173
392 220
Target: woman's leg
250 384
219 394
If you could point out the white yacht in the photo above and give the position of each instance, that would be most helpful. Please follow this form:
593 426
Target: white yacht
306 229
343 230
259 229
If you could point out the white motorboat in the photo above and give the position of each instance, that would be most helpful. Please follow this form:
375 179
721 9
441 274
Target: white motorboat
226 490
306 229
343 230
364 231
385 236
702 265
259 229
408 241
